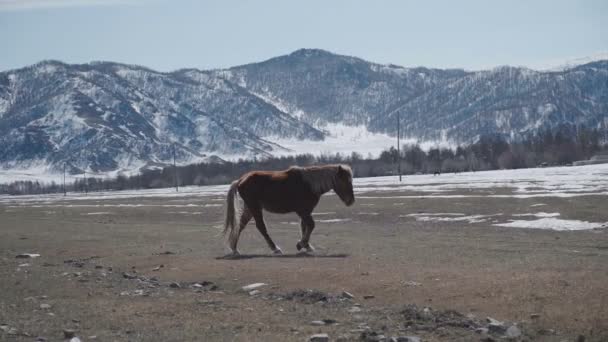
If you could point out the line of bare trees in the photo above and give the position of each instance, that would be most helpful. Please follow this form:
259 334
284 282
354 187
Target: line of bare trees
561 146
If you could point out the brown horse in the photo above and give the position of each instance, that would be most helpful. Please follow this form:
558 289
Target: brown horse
297 189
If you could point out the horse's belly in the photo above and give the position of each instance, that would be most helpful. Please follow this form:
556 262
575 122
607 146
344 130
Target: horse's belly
278 208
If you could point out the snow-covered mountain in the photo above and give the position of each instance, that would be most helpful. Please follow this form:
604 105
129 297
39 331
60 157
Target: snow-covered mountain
107 116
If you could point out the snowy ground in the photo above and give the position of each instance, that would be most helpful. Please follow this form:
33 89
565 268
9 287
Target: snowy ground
539 183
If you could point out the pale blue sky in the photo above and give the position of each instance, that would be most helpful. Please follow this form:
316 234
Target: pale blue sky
167 35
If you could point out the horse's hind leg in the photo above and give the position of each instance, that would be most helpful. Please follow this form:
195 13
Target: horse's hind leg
307 225
236 233
259 223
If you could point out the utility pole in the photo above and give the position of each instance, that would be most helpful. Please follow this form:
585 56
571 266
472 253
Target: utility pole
64 190
398 144
175 170
86 188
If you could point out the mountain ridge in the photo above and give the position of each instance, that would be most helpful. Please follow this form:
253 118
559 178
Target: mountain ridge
105 116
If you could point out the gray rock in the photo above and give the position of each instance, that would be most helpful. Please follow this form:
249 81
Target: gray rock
354 309
127 275
319 338
407 339
254 292
45 306
69 333
175 285
348 295
317 323
75 339
496 326
513 332
27 256
482 331
253 286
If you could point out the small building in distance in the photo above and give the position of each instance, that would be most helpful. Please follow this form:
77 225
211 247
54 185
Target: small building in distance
599 158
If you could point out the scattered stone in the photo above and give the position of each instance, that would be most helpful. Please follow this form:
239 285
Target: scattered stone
41 339
45 306
406 339
27 256
158 267
329 321
482 331
74 339
496 326
254 292
319 338
197 286
24 265
348 295
513 332
127 275
307 296
534 316
69 333
411 283
92 337
166 253
175 285
369 297
317 323
546 332
372 336
354 309
4 327
98 267
253 286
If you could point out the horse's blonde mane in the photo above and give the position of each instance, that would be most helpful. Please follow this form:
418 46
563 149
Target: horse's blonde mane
321 178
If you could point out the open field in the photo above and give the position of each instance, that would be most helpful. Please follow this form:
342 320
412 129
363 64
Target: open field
528 247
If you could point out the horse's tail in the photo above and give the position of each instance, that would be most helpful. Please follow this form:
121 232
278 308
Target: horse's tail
231 208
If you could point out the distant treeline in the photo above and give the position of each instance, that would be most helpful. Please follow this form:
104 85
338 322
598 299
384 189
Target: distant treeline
561 146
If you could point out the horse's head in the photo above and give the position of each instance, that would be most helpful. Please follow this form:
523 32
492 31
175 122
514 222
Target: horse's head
343 185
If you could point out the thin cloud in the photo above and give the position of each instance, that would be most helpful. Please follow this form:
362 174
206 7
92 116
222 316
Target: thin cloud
25 5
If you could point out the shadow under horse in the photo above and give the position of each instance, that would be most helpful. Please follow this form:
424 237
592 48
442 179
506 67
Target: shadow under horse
297 189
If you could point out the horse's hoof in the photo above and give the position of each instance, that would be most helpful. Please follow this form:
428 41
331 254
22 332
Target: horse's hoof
277 251
233 255
310 248
299 246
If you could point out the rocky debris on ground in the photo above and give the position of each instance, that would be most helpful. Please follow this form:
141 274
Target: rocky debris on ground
323 322
346 294
319 338
309 297
27 256
427 319
372 336
45 306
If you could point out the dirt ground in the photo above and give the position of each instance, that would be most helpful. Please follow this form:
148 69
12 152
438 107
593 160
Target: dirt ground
148 269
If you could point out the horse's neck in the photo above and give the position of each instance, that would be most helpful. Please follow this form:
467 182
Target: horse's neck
321 180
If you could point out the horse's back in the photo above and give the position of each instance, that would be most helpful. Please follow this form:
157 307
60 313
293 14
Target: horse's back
276 191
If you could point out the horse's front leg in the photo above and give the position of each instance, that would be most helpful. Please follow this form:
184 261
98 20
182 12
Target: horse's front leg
307 225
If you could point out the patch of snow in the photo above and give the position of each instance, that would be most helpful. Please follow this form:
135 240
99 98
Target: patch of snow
553 224
333 220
